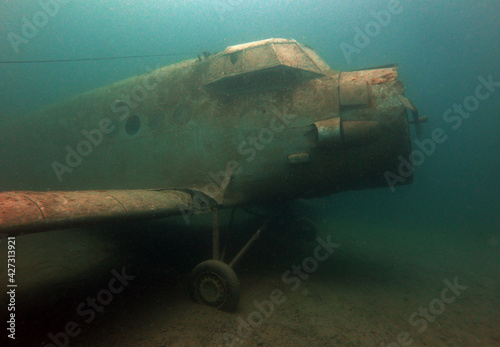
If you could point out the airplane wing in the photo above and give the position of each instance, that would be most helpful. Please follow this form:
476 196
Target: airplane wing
23 212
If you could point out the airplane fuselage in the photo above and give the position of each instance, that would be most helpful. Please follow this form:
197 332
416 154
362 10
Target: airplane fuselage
263 120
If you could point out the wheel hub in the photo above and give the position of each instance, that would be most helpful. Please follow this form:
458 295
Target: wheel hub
211 289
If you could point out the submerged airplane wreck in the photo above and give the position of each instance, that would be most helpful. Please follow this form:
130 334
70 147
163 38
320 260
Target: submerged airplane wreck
259 121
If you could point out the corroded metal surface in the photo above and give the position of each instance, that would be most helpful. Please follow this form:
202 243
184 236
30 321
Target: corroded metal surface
329 133
277 61
264 120
27 212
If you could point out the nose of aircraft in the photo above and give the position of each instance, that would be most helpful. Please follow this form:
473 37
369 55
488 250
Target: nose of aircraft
372 137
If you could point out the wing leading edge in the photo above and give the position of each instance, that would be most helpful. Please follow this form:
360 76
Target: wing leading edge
32 212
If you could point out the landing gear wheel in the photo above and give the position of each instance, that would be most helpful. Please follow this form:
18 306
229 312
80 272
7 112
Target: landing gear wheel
215 284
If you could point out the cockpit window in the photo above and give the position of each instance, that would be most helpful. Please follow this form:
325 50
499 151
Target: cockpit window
267 64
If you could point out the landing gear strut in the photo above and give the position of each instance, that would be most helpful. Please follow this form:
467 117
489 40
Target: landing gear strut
214 282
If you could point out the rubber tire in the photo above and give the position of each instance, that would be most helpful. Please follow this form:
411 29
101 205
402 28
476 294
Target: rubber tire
225 277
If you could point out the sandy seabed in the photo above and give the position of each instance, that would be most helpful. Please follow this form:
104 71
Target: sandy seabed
382 286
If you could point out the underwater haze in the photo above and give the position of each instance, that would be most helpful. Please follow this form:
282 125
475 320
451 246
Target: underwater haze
400 248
